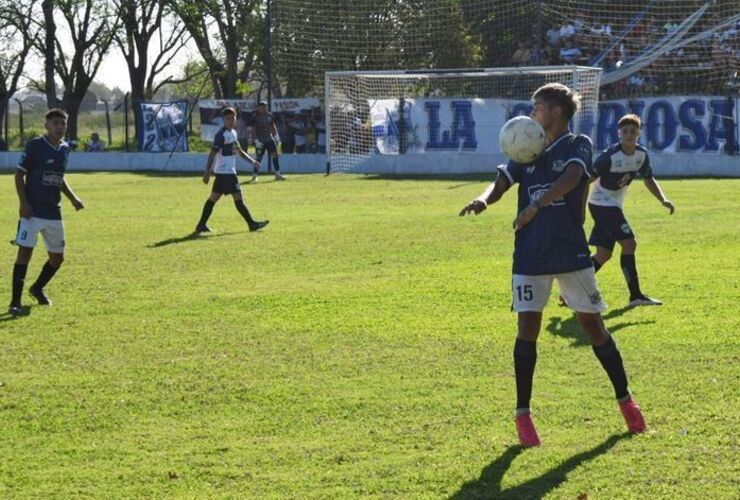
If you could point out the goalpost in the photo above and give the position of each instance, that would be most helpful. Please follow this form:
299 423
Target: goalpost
372 113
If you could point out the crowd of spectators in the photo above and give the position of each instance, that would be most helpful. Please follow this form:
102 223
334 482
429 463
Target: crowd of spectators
703 66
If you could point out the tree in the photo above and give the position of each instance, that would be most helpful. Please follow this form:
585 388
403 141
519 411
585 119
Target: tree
142 23
229 35
90 25
16 37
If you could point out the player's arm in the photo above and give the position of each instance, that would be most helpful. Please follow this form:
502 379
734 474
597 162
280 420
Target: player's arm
491 195
564 185
209 165
24 210
71 196
652 185
246 156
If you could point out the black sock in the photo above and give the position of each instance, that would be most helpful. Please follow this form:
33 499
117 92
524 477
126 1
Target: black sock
525 358
19 276
47 273
207 210
611 360
597 266
276 163
629 269
244 211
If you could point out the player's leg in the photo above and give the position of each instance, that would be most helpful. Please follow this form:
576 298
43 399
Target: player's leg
272 148
50 268
530 295
254 225
602 235
579 287
259 148
202 226
26 237
629 269
608 354
53 233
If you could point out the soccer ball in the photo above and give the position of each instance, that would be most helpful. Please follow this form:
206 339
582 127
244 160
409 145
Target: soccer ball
522 139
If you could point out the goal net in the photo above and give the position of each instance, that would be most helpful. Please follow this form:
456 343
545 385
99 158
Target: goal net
376 113
646 47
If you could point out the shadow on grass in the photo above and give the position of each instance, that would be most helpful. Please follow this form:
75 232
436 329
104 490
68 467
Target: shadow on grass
569 328
6 316
189 237
488 485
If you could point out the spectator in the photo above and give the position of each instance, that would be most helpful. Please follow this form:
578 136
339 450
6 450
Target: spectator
297 126
321 134
95 145
553 36
523 55
569 53
567 31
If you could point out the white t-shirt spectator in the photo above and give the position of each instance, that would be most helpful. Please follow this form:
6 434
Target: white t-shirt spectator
567 31
570 54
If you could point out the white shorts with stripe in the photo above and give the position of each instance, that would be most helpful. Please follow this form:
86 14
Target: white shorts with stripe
578 288
51 230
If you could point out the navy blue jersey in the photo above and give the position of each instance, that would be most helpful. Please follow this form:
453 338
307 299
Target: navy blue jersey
554 241
615 171
44 166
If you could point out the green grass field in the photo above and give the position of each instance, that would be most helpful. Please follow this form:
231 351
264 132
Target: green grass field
360 346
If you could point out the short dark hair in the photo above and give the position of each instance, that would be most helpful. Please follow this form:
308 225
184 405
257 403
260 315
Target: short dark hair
228 111
630 119
56 113
557 94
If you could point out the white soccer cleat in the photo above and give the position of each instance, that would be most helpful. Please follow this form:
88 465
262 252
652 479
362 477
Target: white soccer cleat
253 179
279 176
644 300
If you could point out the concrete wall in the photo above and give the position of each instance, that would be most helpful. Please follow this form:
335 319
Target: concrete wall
664 164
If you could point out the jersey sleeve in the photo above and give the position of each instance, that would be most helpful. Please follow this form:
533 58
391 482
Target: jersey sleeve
646 171
218 141
581 152
512 171
603 163
26 161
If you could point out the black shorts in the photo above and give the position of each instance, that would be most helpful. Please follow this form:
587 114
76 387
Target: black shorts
226 184
268 146
610 226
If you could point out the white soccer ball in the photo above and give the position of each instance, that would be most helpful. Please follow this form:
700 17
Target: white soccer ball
522 139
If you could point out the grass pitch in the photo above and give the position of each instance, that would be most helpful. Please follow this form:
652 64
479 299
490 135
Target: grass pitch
360 346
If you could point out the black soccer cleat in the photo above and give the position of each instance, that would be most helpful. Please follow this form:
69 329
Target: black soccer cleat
39 295
202 228
15 310
258 225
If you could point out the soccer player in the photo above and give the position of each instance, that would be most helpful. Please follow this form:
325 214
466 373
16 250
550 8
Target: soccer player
266 133
550 245
39 182
616 167
222 163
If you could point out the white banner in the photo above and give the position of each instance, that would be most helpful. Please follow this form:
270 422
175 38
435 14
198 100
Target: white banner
162 127
686 124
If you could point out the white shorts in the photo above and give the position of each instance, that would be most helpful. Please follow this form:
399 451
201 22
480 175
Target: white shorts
578 288
51 230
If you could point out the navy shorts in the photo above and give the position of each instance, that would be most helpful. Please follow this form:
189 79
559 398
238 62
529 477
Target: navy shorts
226 184
268 146
610 226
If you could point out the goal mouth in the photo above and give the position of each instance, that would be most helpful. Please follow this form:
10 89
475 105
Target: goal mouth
377 117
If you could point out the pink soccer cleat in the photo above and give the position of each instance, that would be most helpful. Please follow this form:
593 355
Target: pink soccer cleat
632 415
527 433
